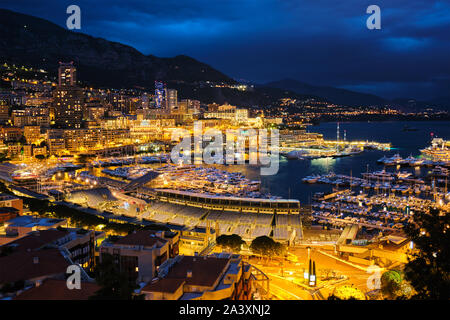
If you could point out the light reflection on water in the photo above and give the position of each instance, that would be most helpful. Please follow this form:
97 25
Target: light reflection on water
323 165
287 182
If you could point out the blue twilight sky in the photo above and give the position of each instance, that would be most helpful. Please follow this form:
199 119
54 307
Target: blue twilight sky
322 42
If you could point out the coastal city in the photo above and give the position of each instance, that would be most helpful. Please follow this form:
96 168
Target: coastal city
95 203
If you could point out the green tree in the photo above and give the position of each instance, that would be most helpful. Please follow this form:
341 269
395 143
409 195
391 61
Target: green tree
428 270
232 242
266 246
390 283
114 284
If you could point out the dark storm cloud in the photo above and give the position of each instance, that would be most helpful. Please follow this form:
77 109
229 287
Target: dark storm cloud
322 42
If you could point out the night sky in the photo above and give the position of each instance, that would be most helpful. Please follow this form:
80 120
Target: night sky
321 42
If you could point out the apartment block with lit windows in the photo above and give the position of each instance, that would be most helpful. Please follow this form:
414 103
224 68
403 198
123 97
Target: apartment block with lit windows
32 134
215 277
68 98
140 253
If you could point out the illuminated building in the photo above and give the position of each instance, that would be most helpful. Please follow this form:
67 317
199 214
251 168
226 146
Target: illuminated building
82 139
4 112
11 134
171 100
140 253
95 112
7 200
67 74
56 142
14 150
215 277
79 243
227 112
31 116
192 106
32 134
68 107
68 98
159 94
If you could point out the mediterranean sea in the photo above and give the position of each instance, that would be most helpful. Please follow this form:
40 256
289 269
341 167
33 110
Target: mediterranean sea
287 183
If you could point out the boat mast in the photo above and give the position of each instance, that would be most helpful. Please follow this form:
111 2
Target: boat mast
337 138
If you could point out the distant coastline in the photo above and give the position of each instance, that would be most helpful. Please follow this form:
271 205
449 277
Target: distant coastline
381 118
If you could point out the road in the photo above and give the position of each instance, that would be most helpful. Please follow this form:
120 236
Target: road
282 276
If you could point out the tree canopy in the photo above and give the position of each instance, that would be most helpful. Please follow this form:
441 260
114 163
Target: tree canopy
266 246
394 286
232 242
428 270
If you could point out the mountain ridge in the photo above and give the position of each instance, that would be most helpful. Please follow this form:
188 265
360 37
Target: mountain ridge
336 95
43 43
37 42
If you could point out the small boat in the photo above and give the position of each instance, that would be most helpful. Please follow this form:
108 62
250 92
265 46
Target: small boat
396 159
311 179
416 163
295 155
403 175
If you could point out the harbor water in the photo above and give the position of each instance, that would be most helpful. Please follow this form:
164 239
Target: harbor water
287 183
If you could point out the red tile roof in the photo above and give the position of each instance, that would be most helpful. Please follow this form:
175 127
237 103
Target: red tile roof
37 239
205 270
164 285
21 265
57 290
141 238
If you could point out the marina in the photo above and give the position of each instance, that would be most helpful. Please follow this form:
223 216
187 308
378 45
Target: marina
372 199
208 180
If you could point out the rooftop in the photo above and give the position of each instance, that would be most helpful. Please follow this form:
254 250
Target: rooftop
167 285
29 221
29 265
57 290
37 239
205 270
145 238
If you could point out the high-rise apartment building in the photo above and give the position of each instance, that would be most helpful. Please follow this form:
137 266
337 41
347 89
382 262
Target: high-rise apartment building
68 98
67 75
4 112
159 94
171 100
